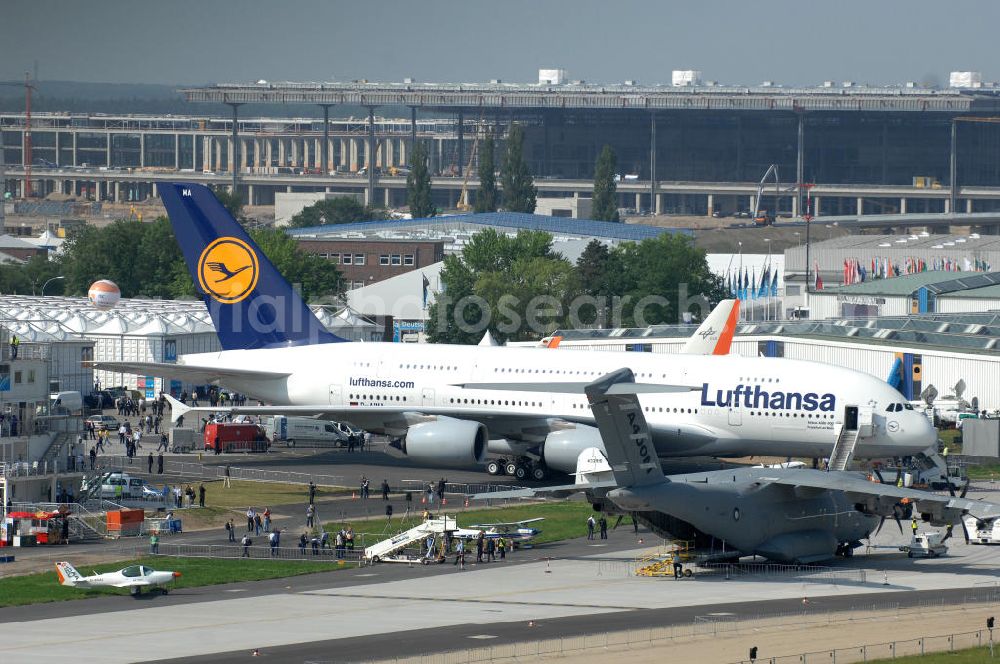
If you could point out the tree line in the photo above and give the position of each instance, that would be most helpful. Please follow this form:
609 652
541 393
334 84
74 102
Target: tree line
519 289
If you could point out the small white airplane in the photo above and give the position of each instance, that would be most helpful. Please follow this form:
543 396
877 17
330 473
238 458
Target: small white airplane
513 530
133 577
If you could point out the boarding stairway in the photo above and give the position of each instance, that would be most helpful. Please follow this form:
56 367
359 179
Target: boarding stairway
384 550
843 449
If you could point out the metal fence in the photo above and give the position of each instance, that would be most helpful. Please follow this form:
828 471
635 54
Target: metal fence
260 549
200 471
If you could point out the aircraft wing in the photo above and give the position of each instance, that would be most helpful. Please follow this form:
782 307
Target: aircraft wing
131 583
545 491
188 372
508 523
860 487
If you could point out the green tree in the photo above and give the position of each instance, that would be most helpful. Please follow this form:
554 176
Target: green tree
315 276
518 187
337 210
487 196
515 287
418 184
231 200
605 190
658 277
28 279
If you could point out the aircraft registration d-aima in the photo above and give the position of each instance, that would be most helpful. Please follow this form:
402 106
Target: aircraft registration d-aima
133 577
451 405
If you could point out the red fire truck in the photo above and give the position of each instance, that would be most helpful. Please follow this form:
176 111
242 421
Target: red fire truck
235 437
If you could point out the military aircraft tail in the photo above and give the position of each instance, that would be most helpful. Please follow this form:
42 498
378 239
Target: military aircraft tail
251 304
624 431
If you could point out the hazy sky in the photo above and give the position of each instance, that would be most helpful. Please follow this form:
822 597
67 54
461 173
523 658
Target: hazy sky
734 41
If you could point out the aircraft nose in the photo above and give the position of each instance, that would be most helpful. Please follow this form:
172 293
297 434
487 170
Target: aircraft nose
923 432
177 575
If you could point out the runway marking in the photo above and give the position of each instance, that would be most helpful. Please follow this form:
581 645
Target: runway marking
483 636
463 600
358 576
236 590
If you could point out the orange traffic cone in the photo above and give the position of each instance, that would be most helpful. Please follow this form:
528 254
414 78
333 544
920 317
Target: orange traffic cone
444 501
354 495
466 502
423 500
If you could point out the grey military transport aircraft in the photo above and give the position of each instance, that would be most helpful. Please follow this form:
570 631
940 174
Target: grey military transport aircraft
795 515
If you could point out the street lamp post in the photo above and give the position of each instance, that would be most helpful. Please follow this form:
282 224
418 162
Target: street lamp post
49 282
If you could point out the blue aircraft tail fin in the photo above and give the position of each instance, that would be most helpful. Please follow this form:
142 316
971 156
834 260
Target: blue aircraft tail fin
251 304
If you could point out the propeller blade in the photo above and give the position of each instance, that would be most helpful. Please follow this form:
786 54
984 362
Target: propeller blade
947 534
965 531
878 528
898 523
965 489
878 475
618 522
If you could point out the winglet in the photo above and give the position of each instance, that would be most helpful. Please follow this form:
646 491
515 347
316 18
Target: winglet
715 335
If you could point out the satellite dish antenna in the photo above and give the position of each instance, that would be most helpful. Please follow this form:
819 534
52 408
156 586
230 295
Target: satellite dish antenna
960 388
929 395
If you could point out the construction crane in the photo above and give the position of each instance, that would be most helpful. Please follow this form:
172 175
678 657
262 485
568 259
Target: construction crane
463 198
761 217
26 158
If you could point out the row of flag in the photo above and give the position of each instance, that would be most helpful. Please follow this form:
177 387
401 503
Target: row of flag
744 284
858 271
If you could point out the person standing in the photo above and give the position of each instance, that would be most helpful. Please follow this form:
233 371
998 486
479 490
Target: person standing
460 554
310 514
502 548
312 492
201 495
93 457
274 538
226 481
250 515
267 519
246 542
149 463
491 547
604 527
590 527
14 343
231 530
385 489
480 542
154 543
159 463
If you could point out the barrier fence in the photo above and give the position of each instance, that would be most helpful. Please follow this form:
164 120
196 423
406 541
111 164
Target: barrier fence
260 549
199 471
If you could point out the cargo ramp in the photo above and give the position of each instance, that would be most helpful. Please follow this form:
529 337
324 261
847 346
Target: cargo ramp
390 550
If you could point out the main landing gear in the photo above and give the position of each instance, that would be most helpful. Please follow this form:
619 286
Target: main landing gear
520 468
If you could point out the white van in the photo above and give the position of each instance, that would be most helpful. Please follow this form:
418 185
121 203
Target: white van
121 485
305 431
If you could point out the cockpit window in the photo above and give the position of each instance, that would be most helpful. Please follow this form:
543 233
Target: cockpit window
890 408
908 406
132 571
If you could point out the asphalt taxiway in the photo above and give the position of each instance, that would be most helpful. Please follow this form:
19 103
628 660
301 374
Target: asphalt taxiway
576 587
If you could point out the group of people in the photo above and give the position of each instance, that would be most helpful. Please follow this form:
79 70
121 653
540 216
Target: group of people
601 523
487 549
215 397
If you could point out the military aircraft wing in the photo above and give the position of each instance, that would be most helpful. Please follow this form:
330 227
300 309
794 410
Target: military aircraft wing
855 485
545 491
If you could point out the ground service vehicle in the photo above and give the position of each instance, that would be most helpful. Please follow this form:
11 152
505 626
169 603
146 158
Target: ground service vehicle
305 431
234 437
101 422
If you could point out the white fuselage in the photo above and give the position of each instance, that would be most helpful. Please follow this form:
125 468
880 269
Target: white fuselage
736 406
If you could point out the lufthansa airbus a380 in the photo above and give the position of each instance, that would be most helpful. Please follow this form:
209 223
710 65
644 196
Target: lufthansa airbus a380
450 405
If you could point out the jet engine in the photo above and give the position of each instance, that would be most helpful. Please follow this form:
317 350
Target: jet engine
563 448
446 442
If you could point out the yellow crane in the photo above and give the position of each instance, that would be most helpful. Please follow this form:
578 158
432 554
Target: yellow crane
463 199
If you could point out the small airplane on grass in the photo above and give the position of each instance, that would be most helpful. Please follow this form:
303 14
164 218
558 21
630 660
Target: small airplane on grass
133 577
517 531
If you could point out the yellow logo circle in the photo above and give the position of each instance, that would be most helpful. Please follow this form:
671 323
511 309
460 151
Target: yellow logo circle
228 270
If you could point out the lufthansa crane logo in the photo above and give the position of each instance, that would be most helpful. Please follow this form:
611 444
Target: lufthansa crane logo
228 270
